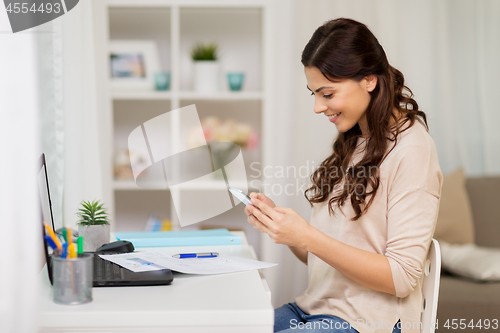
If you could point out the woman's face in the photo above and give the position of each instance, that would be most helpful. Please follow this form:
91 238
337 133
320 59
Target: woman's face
344 101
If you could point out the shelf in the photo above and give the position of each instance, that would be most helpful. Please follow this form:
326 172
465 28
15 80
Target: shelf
141 95
127 185
223 95
188 95
187 3
212 185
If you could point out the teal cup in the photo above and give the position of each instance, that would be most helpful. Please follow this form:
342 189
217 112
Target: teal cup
162 81
235 80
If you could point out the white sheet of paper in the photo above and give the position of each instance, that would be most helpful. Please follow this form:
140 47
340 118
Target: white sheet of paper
150 261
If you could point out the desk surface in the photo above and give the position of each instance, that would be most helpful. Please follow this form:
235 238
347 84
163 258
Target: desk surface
235 302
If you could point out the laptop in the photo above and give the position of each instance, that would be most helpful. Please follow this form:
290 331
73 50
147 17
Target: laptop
106 273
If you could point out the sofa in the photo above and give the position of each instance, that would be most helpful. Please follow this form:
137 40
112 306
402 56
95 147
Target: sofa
477 200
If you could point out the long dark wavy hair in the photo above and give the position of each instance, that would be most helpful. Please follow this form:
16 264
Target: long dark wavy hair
346 49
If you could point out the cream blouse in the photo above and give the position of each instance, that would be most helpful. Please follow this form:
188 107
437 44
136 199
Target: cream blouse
399 224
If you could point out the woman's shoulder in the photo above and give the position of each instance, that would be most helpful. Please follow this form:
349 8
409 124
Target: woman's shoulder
412 138
414 148
414 161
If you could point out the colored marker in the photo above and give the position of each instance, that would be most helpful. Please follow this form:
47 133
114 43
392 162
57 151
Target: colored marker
64 254
51 243
53 236
72 250
80 244
69 236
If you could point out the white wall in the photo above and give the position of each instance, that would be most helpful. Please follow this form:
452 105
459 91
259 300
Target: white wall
20 222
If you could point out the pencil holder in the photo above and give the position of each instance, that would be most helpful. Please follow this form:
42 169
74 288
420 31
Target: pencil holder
72 279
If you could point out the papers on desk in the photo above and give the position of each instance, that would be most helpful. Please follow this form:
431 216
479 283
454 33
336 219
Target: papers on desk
151 261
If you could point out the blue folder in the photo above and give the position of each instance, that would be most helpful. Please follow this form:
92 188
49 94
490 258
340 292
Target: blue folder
180 238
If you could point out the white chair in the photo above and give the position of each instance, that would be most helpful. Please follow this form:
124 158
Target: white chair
430 288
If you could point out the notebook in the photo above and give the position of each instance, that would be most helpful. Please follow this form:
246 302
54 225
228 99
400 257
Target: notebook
106 273
180 238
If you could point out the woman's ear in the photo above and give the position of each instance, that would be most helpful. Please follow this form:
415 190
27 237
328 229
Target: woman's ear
371 82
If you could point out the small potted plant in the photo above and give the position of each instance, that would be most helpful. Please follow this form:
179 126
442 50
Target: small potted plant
206 67
93 225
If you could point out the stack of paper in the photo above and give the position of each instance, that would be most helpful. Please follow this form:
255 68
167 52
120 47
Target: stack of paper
151 261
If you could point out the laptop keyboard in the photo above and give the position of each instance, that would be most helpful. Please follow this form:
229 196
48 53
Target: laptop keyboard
106 270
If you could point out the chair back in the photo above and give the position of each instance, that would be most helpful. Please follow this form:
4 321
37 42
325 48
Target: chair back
430 288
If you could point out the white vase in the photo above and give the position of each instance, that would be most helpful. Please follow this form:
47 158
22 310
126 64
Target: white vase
94 236
206 76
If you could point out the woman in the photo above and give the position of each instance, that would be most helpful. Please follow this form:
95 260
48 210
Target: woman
374 199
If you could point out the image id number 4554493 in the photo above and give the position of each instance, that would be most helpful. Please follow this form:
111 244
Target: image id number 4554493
461 324
24 7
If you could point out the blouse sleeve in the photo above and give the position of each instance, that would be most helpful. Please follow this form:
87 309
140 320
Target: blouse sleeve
413 204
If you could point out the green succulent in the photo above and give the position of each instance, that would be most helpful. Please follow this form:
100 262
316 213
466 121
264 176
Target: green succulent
204 52
92 213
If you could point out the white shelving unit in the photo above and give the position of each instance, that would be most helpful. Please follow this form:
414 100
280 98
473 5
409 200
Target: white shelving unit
130 185
188 95
242 31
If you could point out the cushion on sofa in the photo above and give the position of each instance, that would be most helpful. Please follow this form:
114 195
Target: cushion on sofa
455 224
472 261
484 195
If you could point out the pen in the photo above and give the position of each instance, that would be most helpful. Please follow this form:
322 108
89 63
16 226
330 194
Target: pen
53 245
196 255
53 236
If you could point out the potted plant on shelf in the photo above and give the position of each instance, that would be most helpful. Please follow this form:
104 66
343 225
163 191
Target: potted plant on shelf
93 225
206 67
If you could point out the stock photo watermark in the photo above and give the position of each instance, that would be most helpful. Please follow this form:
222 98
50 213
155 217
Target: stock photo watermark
293 180
358 324
453 324
27 14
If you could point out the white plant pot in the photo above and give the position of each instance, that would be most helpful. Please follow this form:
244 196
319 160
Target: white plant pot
206 76
94 236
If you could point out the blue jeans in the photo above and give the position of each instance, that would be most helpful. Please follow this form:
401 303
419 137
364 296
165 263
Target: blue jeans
291 319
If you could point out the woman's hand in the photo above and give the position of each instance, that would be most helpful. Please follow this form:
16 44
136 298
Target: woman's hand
261 197
283 225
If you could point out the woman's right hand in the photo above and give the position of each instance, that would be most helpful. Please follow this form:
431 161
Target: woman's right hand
262 198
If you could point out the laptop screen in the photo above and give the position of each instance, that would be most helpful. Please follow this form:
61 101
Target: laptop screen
43 189
45 207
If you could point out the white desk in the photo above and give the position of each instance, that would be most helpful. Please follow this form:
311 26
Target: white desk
235 302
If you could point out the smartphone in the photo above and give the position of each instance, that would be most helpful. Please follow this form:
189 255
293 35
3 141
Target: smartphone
243 197
240 195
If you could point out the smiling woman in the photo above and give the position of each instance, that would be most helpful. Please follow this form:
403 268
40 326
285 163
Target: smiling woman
369 232
343 101
349 67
